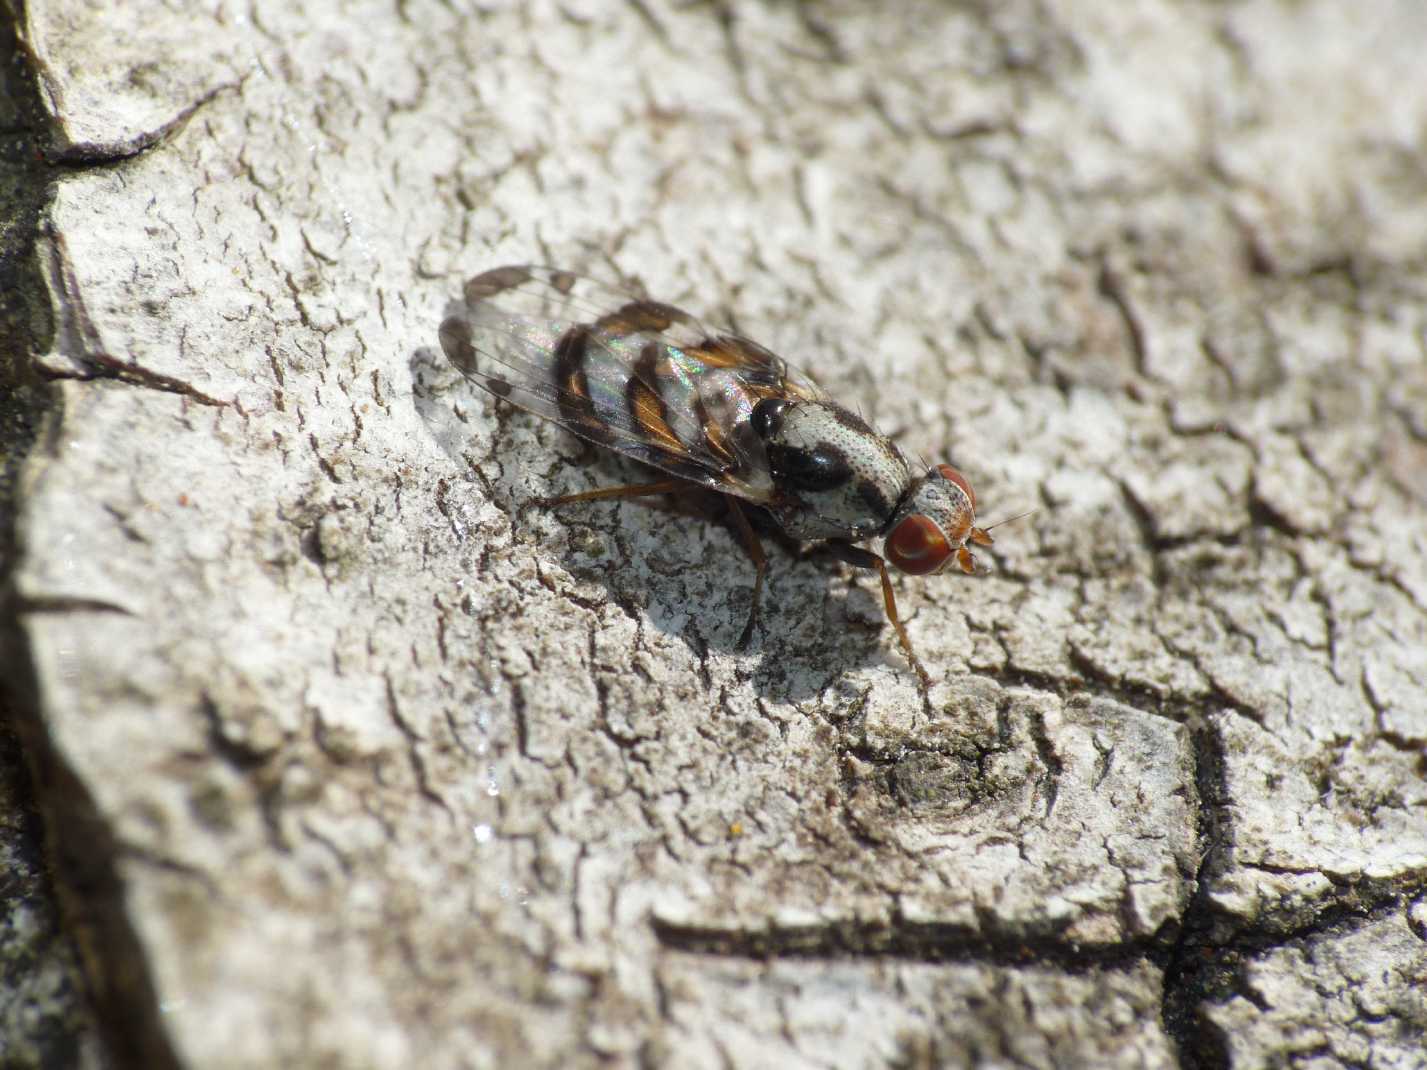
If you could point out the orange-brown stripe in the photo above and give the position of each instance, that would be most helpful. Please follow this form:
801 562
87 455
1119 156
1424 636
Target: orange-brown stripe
648 411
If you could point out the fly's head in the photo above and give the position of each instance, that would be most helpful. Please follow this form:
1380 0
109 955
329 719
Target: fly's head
934 523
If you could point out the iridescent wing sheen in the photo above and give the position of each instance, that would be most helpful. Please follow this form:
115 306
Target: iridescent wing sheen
638 376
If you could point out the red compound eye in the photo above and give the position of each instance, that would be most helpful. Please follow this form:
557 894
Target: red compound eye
917 546
951 475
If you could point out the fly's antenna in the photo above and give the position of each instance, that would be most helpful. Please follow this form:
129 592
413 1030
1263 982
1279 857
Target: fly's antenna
1018 516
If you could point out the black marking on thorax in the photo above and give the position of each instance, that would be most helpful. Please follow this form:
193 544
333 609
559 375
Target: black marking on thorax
850 419
767 417
877 503
822 468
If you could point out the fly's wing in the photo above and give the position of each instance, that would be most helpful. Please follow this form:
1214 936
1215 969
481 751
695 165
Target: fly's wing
639 376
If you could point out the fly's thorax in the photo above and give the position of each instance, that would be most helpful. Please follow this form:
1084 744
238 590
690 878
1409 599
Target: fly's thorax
933 524
834 476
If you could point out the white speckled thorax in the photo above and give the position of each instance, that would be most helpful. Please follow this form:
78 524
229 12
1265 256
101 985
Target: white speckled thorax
837 478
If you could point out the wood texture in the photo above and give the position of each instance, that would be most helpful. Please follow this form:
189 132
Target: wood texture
343 759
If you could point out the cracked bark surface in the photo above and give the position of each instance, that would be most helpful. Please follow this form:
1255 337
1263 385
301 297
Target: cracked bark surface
339 757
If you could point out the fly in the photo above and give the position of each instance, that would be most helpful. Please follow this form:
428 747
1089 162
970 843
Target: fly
710 408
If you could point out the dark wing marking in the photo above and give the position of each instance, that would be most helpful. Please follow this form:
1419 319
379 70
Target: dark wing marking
639 376
542 293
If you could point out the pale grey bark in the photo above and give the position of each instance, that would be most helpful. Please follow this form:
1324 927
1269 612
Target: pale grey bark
344 759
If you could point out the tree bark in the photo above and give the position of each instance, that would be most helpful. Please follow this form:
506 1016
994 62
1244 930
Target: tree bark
339 755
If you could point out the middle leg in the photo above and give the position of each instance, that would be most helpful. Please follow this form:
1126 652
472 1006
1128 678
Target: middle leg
760 563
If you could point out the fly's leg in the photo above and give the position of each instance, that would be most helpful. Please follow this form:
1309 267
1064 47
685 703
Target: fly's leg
760 563
860 558
635 490
669 486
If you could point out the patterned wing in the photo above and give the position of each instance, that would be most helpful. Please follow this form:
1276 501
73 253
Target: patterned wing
639 376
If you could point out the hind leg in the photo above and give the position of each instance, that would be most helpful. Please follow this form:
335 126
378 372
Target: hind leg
633 490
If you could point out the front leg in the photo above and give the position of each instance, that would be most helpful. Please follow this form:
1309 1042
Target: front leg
861 558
